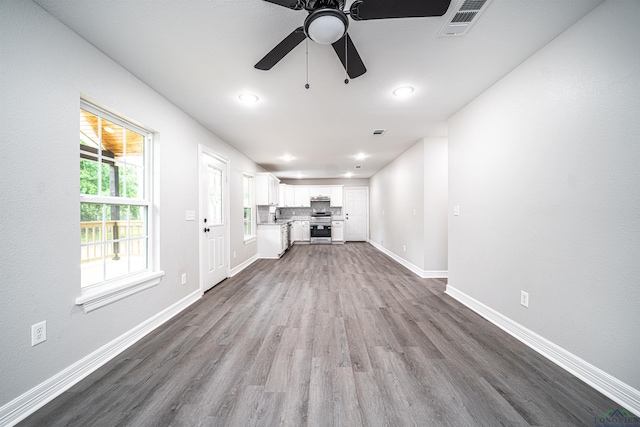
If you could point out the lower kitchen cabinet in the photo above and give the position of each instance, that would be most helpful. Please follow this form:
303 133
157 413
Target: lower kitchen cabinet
337 231
272 240
301 231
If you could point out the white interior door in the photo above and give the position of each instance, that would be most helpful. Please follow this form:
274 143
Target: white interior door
213 221
356 214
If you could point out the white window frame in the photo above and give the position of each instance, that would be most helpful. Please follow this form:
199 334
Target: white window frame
106 292
252 205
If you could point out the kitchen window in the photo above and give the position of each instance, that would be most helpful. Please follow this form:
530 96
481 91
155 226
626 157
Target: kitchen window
248 210
115 208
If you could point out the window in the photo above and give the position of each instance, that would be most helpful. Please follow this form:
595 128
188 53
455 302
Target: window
247 203
115 202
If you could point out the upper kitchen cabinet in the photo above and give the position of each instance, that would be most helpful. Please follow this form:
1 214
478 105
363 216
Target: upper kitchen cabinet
287 196
301 196
267 189
336 196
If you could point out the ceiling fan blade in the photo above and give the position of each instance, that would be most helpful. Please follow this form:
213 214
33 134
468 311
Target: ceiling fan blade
354 65
362 10
291 4
281 50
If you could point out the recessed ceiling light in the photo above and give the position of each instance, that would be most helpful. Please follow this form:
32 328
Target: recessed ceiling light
248 98
287 158
361 156
108 129
403 91
348 175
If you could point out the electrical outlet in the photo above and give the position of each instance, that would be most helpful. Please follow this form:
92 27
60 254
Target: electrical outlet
38 333
234 254
404 248
184 278
524 298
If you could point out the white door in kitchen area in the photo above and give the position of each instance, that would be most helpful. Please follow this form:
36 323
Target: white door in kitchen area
356 214
214 224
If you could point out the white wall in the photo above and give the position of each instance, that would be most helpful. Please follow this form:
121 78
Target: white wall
436 193
395 192
408 207
44 70
545 167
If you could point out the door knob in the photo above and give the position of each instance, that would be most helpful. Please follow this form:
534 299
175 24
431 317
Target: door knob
206 230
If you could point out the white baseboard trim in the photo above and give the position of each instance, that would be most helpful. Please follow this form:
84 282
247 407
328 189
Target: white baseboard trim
606 384
32 400
239 268
425 274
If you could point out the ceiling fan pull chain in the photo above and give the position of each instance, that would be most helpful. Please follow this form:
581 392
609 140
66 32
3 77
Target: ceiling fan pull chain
346 61
307 46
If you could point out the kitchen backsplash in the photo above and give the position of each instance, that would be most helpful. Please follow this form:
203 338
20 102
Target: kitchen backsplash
285 213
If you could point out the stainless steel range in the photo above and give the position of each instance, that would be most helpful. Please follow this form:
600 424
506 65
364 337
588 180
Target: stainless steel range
320 225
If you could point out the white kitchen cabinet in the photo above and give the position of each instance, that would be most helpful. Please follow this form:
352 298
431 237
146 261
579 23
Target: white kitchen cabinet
281 201
267 189
287 196
271 240
336 196
301 231
297 231
337 231
301 196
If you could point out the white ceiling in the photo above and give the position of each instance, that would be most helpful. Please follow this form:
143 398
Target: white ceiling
200 55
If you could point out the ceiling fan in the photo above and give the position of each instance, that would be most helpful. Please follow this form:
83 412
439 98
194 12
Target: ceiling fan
327 23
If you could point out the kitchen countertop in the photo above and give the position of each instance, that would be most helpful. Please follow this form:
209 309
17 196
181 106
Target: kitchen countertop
278 222
297 218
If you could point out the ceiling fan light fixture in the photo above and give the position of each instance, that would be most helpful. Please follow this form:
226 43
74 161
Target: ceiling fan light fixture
403 91
326 25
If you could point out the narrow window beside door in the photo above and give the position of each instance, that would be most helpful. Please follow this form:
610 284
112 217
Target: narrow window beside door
248 211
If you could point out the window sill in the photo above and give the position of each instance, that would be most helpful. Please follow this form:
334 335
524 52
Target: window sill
92 299
249 239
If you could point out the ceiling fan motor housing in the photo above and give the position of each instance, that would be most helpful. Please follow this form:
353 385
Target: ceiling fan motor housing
318 4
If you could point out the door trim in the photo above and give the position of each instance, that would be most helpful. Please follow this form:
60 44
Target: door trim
202 151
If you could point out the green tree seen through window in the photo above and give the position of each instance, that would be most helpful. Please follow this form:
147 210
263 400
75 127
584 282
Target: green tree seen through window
89 173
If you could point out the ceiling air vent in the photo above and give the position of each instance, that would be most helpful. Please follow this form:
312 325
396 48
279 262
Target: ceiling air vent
379 131
462 17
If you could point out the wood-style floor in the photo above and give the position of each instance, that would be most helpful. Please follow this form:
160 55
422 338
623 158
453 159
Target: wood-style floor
327 336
